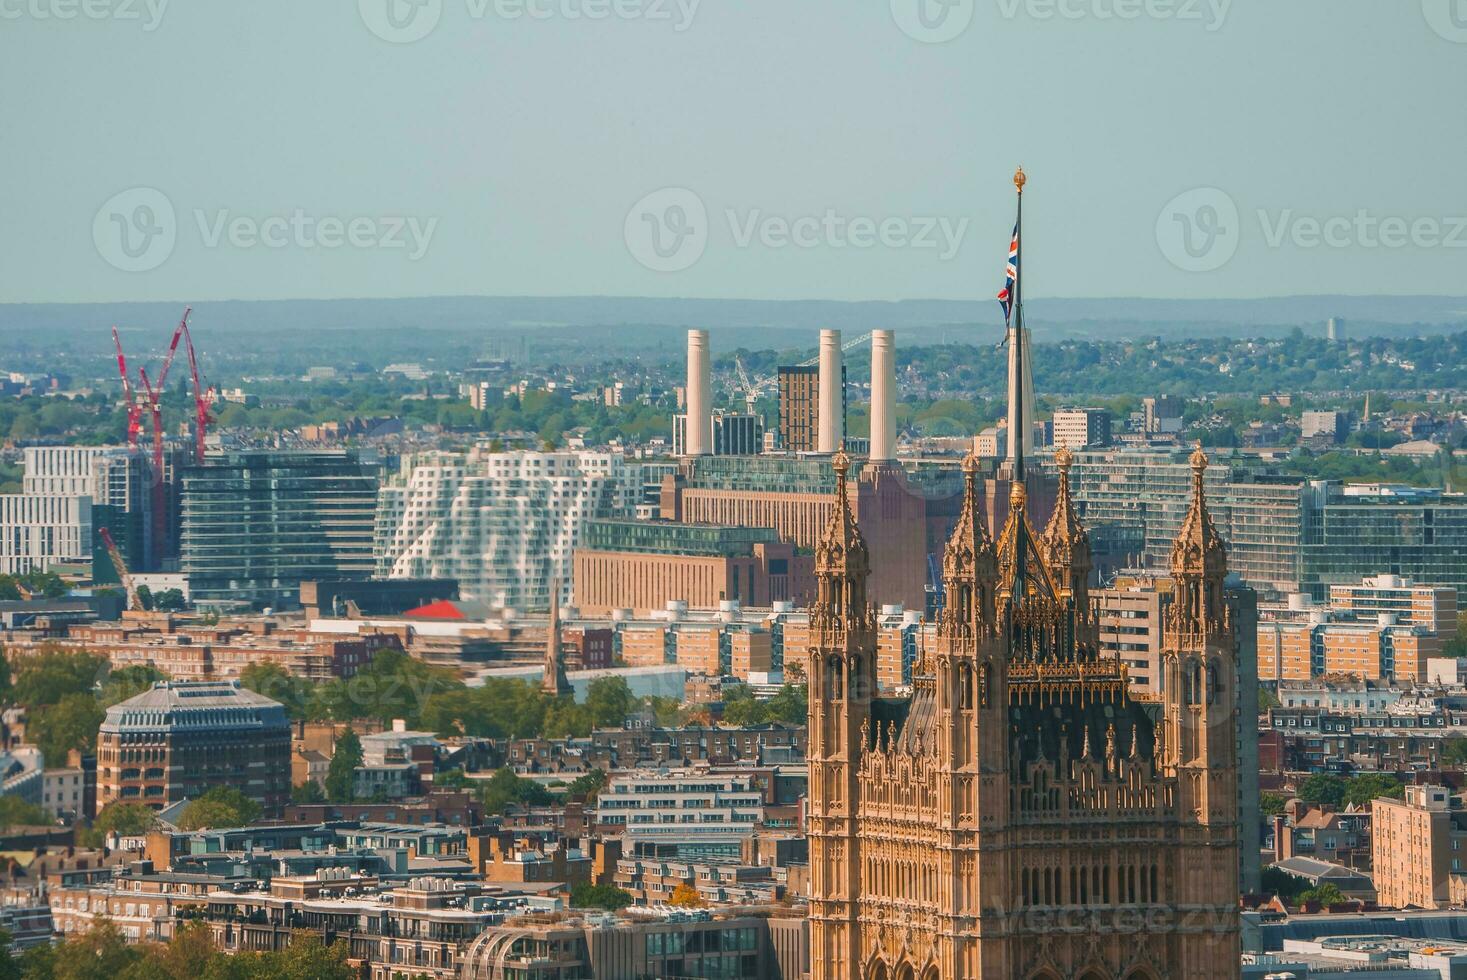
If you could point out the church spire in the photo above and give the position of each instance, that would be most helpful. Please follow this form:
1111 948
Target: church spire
554 682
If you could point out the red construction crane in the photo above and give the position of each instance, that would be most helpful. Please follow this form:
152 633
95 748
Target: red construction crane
120 567
155 399
134 405
203 398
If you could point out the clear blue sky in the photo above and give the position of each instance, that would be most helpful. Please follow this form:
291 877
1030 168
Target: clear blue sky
524 142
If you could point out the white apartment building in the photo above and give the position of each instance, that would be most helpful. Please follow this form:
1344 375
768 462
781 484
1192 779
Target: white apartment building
503 524
682 805
115 476
1078 428
38 531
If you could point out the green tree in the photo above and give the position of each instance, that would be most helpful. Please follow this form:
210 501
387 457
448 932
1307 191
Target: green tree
587 786
169 600
564 718
1367 786
125 819
127 682
1322 788
278 684
308 792
307 958
1272 804
608 897
609 700
341 776
16 812
1454 751
46 677
504 788
69 724
100 953
1327 895
1276 881
10 964
221 806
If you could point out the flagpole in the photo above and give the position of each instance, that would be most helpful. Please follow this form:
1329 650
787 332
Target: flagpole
1017 337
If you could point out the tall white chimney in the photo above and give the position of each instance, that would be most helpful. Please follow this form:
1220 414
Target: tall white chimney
832 435
883 396
699 438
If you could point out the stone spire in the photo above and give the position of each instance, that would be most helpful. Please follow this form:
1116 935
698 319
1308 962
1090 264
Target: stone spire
1021 570
842 561
554 682
969 566
1199 564
1065 545
1198 548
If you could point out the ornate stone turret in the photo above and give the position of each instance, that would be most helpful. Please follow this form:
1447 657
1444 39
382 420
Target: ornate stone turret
1066 546
840 668
1199 566
1021 572
969 567
842 561
1199 657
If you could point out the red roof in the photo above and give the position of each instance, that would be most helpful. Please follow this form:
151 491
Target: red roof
442 609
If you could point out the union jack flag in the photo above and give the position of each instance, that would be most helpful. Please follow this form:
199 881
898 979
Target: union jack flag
1006 294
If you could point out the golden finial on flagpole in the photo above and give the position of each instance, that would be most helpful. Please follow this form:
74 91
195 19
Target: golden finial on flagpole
1019 179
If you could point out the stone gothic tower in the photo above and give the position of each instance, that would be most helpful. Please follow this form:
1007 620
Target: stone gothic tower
840 670
1022 813
1199 654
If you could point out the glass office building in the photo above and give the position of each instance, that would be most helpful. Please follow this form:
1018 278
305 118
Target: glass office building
254 525
1284 533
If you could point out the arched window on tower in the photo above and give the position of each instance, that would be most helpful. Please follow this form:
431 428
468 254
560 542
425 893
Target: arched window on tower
1212 682
985 684
965 687
1192 681
834 679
